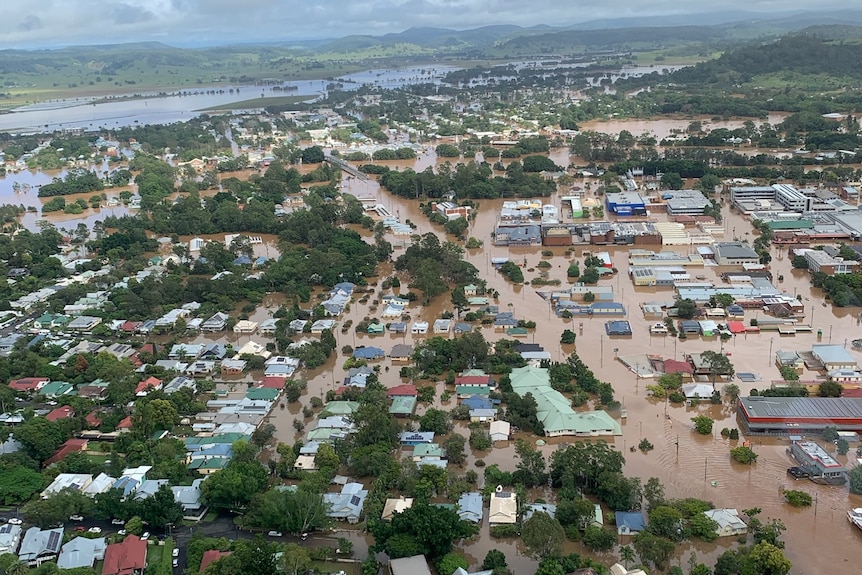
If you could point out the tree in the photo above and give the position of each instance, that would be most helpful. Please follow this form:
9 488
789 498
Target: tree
666 521
161 508
531 465
436 420
627 555
685 308
450 562
293 512
156 414
542 535
294 560
799 263
654 493
797 498
18 484
233 487
653 549
732 391
454 448
422 529
769 560
57 508
573 271
718 363
568 337
575 512
326 457
703 424
830 433
671 181
312 155
830 388
494 559
854 477
263 434
842 447
598 538
743 454
590 276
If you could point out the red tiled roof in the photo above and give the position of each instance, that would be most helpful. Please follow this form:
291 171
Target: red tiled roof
71 446
211 556
126 423
272 382
62 412
28 383
149 383
93 419
125 558
675 366
406 389
131 326
736 326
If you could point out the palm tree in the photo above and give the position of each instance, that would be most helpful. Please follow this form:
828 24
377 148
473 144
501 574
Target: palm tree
18 568
627 555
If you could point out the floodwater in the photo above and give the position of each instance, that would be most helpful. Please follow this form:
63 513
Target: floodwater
662 128
699 466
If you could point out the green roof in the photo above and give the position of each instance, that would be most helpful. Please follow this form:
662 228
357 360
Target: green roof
473 390
516 331
341 407
56 388
209 463
554 409
791 225
376 328
265 393
403 405
428 450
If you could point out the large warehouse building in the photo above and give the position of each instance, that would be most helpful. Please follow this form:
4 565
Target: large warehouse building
798 415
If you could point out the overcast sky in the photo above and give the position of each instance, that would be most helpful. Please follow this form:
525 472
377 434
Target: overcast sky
54 23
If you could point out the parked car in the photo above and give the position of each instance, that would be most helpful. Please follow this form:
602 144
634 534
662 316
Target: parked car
94 530
175 552
80 528
75 518
274 533
15 521
117 522
304 536
122 532
145 536
175 563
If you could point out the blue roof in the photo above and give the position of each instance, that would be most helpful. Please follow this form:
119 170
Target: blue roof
478 402
370 352
634 521
242 261
470 507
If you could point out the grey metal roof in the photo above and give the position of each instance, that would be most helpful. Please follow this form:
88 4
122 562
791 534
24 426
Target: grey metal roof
835 408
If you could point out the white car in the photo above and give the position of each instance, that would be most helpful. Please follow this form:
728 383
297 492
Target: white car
94 530
117 522
122 532
175 563
175 552
274 533
15 521
145 536
75 518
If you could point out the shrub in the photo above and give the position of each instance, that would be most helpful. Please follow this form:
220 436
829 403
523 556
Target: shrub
743 454
645 445
797 498
501 531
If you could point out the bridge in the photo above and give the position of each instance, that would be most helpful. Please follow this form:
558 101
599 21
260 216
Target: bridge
338 162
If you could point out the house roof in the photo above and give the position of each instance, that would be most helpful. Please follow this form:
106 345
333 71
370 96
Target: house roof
470 507
70 446
211 556
677 366
504 507
405 389
37 542
369 352
62 412
415 565
726 518
126 557
396 505
634 521
697 390
81 552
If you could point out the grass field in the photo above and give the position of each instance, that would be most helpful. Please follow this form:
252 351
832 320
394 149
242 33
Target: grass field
259 103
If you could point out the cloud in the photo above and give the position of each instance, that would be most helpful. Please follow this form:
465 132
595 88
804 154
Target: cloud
183 22
29 23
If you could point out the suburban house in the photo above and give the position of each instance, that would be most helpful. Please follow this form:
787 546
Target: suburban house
395 505
40 545
81 552
415 565
504 507
629 523
470 507
401 352
728 521
126 558
10 537
347 505
28 384
409 438
216 322
500 430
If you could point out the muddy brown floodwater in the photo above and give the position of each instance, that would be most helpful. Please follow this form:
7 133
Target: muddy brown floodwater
699 466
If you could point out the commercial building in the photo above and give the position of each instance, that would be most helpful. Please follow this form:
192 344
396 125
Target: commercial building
626 204
833 357
791 198
814 459
685 202
734 254
820 261
798 415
